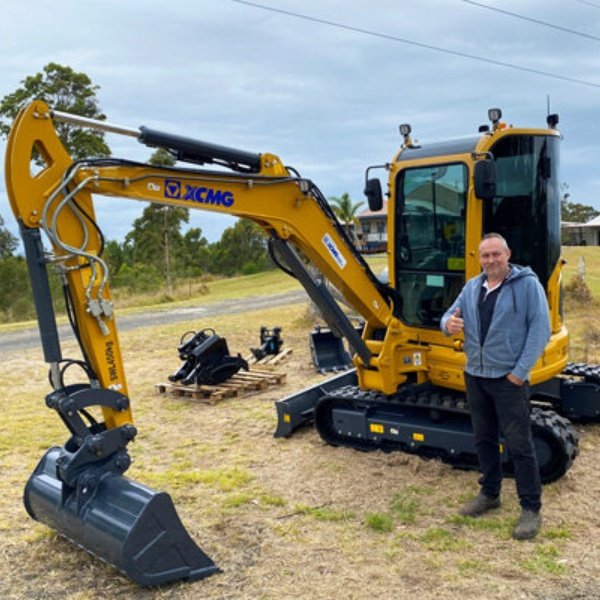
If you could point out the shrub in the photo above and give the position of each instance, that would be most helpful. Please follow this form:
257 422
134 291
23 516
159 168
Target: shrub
578 291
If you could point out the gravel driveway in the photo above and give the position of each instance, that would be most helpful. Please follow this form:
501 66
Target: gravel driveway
29 338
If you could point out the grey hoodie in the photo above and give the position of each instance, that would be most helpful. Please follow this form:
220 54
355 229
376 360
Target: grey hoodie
519 330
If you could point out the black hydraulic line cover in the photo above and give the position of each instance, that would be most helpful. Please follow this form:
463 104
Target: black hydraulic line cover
42 297
197 151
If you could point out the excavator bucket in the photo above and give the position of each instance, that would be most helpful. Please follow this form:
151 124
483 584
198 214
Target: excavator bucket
126 524
328 351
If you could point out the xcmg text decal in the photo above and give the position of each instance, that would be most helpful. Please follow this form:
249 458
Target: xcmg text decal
200 194
334 251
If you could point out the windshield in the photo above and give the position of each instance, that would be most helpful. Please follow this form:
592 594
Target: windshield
526 209
430 246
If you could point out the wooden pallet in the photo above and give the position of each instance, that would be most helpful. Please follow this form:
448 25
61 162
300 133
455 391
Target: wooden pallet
242 384
270 359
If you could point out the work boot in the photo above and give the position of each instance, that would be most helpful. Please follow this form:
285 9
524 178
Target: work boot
479 505
528 525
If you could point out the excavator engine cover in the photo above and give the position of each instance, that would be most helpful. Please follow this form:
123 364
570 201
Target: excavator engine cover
124 523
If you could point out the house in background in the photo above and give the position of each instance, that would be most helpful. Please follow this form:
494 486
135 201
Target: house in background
371 230
581 234
372 226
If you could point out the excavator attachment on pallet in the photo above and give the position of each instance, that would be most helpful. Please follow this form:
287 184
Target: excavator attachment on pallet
206 360
126 524
270 343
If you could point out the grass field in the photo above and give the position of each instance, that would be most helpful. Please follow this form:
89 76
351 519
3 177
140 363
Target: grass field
295 518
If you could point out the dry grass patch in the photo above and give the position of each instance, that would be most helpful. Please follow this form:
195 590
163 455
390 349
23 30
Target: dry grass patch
289 518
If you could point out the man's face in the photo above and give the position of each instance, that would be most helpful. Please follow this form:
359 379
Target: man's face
494 257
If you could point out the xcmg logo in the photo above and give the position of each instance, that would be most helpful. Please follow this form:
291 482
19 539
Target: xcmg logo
201 195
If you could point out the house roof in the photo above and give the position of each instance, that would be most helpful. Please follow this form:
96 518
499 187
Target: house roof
369 213
595 222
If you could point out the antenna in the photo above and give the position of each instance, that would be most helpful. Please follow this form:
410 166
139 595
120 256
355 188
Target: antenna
547 104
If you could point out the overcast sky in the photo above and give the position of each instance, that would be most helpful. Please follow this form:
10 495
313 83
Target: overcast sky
326 88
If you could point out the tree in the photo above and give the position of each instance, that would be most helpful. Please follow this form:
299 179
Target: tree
171 220
155 239
8 242
195 253
116 255
345 210
63 90
241 249
576 213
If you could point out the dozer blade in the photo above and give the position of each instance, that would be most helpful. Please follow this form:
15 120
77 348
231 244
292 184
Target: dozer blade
297 410
124 523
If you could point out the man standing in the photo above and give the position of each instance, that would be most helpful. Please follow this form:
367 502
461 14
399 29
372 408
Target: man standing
504 315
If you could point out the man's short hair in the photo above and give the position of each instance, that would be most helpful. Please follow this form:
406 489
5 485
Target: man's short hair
497 236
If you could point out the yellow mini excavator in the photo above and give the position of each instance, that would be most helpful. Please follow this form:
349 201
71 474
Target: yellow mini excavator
406 389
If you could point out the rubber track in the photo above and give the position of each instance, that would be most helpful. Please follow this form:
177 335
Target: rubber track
590 373
560 435
553 432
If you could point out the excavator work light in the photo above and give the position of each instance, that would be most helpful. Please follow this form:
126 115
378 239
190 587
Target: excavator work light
552 121
405 129
494 115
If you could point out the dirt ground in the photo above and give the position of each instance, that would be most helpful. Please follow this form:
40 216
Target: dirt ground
289 518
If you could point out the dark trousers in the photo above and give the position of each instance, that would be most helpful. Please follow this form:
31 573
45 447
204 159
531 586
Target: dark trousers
498 406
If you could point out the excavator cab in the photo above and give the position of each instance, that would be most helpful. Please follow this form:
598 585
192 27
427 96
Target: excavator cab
439 216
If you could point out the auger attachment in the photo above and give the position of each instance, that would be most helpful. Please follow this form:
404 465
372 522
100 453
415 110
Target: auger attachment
270 343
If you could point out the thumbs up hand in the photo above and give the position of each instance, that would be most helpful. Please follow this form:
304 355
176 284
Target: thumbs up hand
455 324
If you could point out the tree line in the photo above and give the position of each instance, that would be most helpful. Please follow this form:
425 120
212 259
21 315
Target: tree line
155 255
158 253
